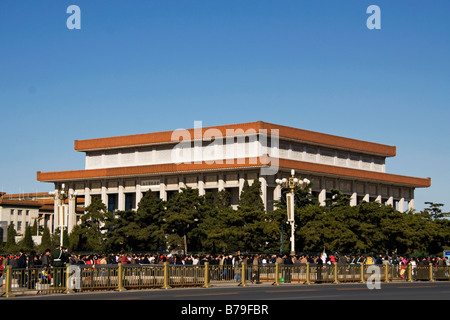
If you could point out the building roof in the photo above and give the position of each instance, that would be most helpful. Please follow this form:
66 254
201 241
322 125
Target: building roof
239 129
312 168
27 196
21 203
43 204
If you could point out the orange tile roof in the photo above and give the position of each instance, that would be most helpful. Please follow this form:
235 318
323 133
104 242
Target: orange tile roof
27 195
24 203
355 173
313 168
284 131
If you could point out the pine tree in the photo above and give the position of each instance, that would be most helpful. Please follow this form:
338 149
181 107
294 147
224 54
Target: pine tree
46 242
250 197
149 218
27 242
251 221
138 230
11 238
182 215
89 235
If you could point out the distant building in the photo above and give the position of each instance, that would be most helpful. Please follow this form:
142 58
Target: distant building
24 209
19 212
120 170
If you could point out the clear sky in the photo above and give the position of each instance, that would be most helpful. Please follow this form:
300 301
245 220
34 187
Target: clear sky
144 66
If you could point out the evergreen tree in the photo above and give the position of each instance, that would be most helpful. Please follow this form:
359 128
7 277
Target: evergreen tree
222 200
184 211
11 234
250 219
34 229
138 230
302 198
122 232
250 197
89 235
27 241
46 242
435 211
337 199
149 215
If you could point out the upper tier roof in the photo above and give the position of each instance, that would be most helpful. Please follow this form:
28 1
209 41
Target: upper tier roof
285 132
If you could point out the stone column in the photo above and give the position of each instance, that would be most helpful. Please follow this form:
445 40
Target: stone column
276 195
72 211
263 182
138 193
390 201
241 182
162 190
87 197
121 197
104 195
401 205
221 182
322 197
354 199
378 199
201 185
411 204
54 219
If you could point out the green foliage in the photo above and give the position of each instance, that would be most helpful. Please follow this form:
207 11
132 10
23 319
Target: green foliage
250 197
183 213
192 222
370 227
137 230
27 241
46 242
11 233
435 211
337 199
302 198
90 235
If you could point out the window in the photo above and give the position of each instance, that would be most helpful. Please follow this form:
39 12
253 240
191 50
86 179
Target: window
19 212
12 212
129 200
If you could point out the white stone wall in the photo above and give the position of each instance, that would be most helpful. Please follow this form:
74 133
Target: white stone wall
19 216
249 146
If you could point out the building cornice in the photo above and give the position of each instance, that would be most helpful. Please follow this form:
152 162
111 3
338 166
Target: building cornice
245 163
290 133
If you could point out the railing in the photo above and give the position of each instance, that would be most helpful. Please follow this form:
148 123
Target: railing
82 278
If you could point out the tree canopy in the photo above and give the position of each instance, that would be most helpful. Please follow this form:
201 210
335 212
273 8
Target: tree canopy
190 222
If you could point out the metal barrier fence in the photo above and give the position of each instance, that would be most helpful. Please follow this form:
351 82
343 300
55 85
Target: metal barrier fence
82 278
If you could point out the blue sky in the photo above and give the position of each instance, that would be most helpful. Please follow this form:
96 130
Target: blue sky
146 66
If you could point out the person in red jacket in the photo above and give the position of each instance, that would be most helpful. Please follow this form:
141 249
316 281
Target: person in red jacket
123 259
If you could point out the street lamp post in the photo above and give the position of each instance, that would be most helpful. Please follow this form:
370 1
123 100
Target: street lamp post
63 209
292 183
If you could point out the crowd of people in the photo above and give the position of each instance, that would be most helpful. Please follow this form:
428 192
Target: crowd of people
37 267
60 256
